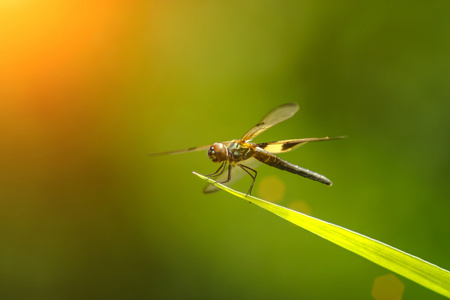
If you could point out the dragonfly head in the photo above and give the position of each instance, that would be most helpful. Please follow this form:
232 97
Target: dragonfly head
218 152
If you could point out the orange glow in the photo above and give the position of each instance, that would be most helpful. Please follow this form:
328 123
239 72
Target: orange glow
60 62
51 44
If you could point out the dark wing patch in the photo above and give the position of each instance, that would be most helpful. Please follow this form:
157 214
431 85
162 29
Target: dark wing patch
288 145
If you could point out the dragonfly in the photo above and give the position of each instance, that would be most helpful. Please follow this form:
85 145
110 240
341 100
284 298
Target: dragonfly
240 157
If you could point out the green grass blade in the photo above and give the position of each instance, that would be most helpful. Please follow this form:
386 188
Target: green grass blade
402 263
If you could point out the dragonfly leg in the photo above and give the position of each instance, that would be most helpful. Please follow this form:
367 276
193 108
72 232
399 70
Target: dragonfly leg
218 172
229 175
253 176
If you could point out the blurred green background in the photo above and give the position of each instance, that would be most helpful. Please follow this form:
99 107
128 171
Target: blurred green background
87 90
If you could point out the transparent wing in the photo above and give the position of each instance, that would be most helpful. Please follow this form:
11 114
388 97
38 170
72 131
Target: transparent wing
288 145
273 117
236 174
188 149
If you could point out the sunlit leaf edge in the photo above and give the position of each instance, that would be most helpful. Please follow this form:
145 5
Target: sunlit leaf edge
402 263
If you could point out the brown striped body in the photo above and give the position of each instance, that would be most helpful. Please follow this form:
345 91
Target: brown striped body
274 161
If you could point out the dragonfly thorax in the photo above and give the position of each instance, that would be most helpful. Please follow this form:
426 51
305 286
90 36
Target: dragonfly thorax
218 152
239 151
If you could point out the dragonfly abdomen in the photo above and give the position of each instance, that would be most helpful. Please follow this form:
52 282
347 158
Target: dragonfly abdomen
274 161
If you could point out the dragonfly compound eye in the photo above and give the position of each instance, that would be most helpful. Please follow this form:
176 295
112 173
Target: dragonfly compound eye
217 152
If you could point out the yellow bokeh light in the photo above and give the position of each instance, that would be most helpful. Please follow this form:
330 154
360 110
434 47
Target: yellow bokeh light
300 206
271 188
388 287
